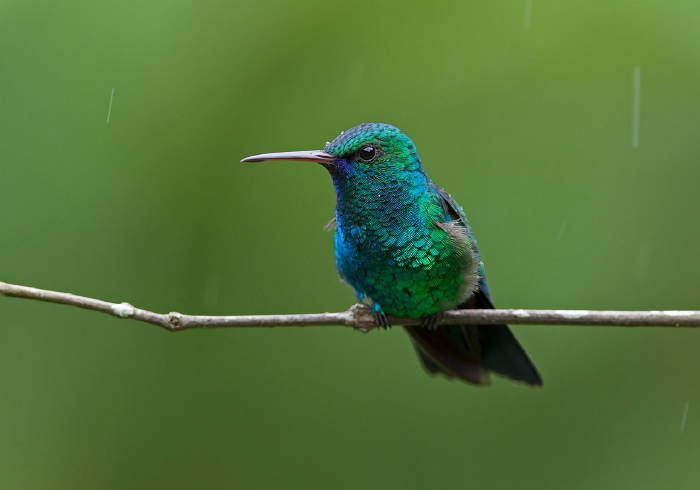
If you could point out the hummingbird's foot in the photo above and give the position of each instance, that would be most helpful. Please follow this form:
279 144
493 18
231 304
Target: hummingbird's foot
431 322
381 321
380 318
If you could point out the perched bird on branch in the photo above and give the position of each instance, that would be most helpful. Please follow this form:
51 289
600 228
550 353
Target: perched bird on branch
405 247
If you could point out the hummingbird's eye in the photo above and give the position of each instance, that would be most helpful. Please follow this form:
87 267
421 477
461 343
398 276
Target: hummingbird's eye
367 153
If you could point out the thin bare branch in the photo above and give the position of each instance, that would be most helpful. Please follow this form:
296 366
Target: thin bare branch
360 317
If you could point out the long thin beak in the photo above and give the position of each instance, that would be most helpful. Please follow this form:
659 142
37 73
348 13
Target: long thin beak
300 156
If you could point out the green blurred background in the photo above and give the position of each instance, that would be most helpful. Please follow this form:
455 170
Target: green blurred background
521 109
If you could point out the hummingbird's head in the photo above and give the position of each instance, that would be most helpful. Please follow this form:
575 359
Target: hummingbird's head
372 166
374 145
370 148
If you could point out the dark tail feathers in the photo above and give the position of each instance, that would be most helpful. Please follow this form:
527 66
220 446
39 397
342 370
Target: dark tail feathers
470 352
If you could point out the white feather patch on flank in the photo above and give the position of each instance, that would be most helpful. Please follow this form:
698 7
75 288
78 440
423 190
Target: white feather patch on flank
455 230
457 233
471 280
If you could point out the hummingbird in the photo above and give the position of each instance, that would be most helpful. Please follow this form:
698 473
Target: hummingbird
405 247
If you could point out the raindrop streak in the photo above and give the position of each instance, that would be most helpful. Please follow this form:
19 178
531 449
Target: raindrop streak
109 112
528 14
685 416
636 92
561 230
643 259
